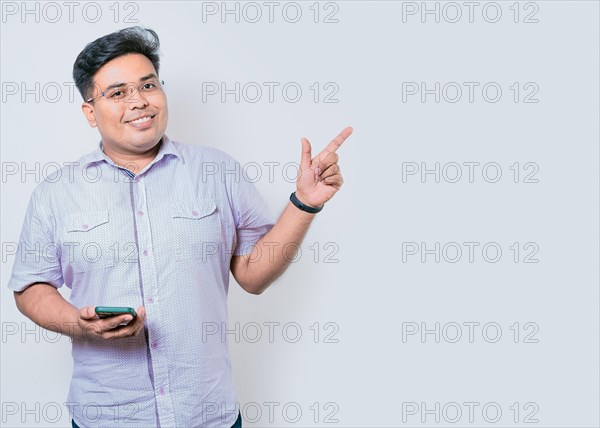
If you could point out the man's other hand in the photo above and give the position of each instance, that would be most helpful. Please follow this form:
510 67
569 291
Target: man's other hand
95 327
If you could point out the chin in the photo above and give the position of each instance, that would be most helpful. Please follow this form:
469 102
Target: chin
144 141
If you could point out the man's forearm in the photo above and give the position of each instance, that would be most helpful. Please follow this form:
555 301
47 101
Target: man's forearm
318 179
44 305
275 251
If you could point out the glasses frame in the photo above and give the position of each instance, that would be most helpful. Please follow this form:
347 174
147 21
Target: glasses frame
138 88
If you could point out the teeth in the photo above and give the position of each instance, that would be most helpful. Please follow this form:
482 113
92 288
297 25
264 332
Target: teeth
141 119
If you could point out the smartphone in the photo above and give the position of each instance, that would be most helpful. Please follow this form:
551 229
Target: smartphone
111 311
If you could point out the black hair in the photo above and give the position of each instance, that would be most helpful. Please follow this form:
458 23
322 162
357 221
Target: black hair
97 53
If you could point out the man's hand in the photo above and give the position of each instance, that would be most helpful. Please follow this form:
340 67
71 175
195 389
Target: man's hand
95 327
319 178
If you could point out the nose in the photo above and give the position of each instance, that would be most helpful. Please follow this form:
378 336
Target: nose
136 97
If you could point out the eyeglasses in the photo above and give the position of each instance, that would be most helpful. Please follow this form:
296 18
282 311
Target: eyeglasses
149 87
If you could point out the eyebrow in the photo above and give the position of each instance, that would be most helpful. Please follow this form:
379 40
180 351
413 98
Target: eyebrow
118 85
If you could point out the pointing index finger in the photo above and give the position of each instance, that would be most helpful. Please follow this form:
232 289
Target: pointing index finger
337 141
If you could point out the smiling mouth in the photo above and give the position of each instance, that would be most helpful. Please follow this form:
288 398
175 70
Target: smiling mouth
141 119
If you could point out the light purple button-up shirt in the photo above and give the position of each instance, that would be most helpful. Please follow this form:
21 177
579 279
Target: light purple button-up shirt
164 239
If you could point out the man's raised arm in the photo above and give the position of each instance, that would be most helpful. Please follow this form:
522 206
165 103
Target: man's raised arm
319 178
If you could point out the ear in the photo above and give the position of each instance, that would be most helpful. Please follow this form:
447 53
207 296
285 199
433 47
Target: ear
89 113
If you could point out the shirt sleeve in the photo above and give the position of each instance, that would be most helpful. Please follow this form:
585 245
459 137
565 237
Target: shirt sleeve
37 257
252 217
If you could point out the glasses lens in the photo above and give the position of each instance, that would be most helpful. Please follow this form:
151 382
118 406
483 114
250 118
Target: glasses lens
150 86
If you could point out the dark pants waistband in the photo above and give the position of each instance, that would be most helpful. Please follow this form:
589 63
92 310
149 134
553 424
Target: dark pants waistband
237 424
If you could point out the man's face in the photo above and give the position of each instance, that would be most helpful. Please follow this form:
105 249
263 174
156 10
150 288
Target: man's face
114 116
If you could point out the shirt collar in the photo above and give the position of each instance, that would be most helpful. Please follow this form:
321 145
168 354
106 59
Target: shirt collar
166 148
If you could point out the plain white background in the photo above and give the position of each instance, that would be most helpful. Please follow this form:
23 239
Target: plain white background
359 283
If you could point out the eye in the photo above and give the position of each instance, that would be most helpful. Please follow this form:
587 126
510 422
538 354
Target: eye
116 94
149 85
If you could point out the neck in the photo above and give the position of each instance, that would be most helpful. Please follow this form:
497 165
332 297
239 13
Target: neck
134 162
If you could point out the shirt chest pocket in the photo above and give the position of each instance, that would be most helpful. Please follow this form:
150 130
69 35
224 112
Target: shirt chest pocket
196 230
89 243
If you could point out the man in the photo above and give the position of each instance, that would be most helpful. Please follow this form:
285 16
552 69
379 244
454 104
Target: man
140 223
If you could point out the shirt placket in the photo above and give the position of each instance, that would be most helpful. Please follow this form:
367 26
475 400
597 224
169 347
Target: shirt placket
149 289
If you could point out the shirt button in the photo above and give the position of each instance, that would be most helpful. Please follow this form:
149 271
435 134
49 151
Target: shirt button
195 213
161 391
84 227
140 212
145 252
150 300
154 345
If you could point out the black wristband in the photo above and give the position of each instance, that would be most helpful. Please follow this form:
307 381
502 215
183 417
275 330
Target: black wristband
303 207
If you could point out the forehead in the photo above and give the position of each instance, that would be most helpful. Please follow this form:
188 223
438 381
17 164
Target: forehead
126 68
